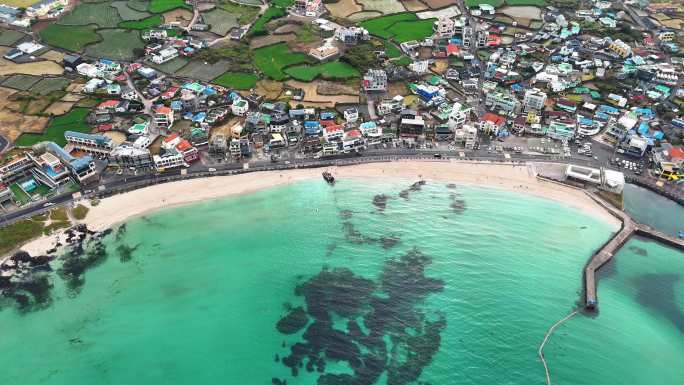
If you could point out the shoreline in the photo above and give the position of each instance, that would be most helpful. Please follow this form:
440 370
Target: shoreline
512 177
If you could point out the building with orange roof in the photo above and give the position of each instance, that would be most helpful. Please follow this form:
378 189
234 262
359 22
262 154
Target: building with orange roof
163 117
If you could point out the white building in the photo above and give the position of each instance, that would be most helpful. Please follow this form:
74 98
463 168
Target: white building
239 107
375 80
172 158
458 117
534 100
351 35
444 27
165 55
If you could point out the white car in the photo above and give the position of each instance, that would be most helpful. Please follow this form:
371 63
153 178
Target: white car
211 169
48 204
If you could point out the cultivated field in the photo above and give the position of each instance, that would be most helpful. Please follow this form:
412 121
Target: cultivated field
171 66
196 69
161 6
70 38
400 27
53 55
21 82
180 15
271 60
13 124
522 12
237 80
147 23
270 89
221 21
74 120
343 8
414 5
8 67
19 3
364 15
245 13
116 44
263 41
384 6
335 70
59 108
139 5
313 98
89 13
450 12
436 4
9 36
47 85
128 13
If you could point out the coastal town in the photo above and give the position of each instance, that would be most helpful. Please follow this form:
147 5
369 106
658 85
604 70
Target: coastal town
172 89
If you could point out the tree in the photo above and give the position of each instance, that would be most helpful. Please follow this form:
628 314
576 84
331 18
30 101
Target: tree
361 56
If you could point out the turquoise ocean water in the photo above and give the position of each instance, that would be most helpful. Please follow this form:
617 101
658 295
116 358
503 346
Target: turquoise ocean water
200 299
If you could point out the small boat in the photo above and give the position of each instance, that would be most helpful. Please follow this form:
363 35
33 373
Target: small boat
328 177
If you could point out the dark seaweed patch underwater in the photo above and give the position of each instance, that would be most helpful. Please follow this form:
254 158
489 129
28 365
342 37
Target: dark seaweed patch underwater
399 337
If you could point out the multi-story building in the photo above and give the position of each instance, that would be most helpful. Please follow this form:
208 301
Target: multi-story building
43 7
351 35
620 48
82 169
129 156
375 80
482 38
534 100
15 168
467 36
171 158
502 101
444 27
459 115
90 143
163 117
49 170
165 55
666 36
5 193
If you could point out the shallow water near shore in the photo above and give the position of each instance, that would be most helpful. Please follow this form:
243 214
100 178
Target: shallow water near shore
202 298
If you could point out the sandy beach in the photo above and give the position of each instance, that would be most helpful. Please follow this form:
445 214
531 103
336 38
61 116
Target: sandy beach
118 208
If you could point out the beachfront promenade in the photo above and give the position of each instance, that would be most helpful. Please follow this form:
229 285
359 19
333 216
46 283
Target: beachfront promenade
606 253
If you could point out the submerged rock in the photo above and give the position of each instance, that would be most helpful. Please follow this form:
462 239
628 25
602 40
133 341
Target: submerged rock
293 321
380 201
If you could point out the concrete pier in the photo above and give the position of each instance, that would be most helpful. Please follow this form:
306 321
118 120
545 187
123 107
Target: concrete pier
608 250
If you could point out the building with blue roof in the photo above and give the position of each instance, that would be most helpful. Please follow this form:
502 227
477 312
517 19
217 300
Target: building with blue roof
90 143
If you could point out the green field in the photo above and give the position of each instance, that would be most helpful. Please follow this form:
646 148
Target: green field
138 5
146 23
116 44
21 82
128 13
475 3
282 3
391 50
272 59
19 195
161 6
331 71
89 13
244 13
259 26
70 38
221 21
400 27
198 69
236 80
171 66
540 3
9 36
47 85
74 120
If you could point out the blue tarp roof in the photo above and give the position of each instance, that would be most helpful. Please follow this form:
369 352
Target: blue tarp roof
199 117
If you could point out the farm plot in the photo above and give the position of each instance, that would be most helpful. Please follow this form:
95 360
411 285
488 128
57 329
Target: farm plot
263 41
179 15
171 66
449 12
19 3
522 12
313 98
331 71
45 67
116 44
384 6
146 23
245 13
138 5
58 108
259 26
475 3
414 5
343 8
9 37
364 15
540 3
70 38
401 27
89 13
272 59
161 6
74 120
237 80
127 13
221 21
437 4
47 85
197 69
21 82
